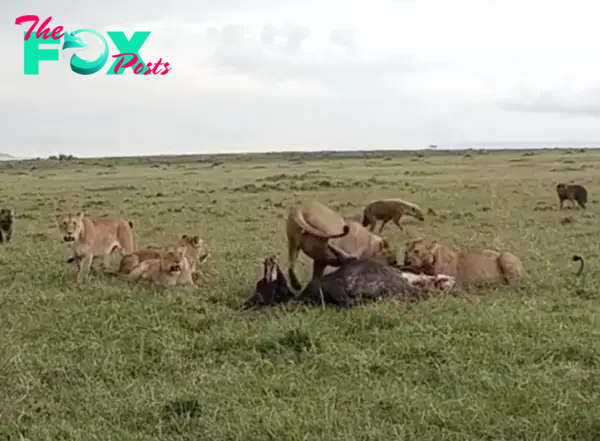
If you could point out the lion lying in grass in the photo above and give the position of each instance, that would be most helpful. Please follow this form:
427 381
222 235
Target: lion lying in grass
196 251
466 266
170 268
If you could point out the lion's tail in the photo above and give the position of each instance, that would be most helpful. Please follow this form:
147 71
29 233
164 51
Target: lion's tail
301 222
577 258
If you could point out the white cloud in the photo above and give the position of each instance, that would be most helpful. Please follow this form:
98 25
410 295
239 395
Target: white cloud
310 75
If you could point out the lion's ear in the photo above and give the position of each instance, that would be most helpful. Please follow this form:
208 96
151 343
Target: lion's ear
80 215
184 237
195 240
433 245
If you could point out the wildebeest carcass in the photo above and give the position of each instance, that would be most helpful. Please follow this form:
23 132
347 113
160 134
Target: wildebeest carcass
355 282
272 289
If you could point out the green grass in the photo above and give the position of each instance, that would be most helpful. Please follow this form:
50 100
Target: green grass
112 361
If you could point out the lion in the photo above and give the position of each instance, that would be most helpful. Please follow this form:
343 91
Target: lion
91 238
467 267
359 243
170 268
6 224
389 210
575 193
197 251
312 219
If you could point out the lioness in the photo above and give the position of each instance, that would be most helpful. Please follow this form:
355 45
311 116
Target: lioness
467 267
315 220
575 193
389 210
171 268
6 224
94 237
197 251
359 243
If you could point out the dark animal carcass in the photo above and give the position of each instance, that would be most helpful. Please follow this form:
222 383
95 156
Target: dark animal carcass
272 289
357 282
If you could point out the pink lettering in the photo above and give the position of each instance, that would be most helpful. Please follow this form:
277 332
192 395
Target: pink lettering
130 63
43 31
140 66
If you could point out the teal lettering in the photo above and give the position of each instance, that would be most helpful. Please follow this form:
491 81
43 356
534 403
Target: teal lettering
128 46
33 54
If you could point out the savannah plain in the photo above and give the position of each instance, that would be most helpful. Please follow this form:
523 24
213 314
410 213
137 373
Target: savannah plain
115 361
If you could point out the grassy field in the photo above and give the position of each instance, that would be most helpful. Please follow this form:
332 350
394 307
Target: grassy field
112 361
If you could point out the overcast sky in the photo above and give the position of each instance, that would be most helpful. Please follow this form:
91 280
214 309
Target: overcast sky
267 75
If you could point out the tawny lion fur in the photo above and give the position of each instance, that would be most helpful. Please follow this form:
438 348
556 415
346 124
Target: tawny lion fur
171 268
315 220
358 243
94 237
467 267
389 210
197 251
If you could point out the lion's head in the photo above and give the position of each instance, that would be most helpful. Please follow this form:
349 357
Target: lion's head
420 256
71 226
172 259
197 248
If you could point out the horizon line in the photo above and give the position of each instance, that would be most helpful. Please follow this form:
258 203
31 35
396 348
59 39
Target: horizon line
374 152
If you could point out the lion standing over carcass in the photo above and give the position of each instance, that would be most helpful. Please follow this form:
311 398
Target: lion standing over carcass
329 240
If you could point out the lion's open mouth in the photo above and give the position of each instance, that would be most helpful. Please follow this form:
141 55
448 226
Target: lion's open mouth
175 268
68 239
